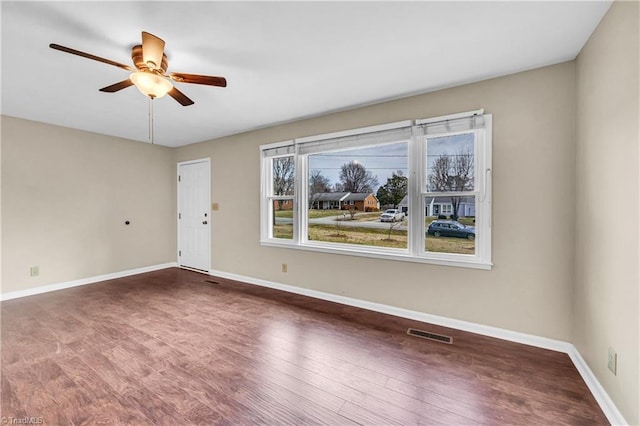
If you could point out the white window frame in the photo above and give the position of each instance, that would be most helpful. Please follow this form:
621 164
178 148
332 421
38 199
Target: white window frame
266 190
415 251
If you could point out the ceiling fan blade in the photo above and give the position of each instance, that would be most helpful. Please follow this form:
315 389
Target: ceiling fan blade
152 50
180 97
118 86
199 79
89 56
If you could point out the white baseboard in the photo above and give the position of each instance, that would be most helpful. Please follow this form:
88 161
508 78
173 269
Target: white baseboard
83 281
606 404
610 410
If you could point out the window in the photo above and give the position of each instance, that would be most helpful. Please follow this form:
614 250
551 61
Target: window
279 192
455 167
348 177
326 192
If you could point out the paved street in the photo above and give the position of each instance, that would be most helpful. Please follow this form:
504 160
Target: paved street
331 220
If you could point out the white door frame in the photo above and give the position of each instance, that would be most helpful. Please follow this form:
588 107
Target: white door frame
208 199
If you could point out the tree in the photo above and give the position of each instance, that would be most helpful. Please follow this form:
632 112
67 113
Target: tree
318 183
452 174
356 178
394 190
392 225
283 178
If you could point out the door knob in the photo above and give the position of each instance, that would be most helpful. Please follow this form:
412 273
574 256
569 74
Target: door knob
204 222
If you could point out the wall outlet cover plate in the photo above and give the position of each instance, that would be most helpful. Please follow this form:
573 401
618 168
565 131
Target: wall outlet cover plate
612 362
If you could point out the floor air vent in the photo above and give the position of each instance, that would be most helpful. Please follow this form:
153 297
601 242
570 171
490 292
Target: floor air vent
431 336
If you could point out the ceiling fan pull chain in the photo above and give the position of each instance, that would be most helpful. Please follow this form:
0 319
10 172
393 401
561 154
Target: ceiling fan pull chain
151 119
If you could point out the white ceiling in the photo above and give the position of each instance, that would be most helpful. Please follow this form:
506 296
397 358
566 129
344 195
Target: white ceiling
283 60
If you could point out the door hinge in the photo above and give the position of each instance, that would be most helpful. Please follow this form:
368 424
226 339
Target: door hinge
179 178
179 215
179 253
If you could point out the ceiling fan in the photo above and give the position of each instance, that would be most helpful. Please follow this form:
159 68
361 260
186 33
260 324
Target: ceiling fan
149 74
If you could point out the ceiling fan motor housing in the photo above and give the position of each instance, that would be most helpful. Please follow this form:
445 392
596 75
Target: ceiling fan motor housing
138 61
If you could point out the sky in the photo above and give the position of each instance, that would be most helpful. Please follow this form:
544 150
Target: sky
384 160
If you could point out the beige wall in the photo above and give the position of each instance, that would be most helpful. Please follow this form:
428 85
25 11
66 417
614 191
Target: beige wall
607 216
529 288
65 197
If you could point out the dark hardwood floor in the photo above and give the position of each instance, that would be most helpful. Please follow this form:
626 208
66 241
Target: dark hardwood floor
171 347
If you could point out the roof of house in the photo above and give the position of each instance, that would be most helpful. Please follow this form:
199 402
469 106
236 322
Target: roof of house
358 196
447 200
438 200
330 196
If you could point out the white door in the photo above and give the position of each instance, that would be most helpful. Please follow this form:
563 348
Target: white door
194 216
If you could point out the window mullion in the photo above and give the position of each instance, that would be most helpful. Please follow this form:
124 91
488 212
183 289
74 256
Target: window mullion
484 177
416 209
264 201
301 205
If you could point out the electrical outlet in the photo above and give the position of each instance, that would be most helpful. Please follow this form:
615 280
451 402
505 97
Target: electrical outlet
34 271
612 362
284 267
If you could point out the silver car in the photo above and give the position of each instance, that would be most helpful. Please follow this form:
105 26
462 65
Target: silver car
391 215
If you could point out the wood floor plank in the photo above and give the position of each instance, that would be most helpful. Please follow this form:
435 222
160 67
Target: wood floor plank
158 410
112 410
366 416
10 401
261 372
36 398
119 380
171 347
480 409
204 386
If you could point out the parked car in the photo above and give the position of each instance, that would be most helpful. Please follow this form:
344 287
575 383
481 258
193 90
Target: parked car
391 215
451 228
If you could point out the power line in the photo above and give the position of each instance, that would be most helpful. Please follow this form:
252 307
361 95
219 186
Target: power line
360 155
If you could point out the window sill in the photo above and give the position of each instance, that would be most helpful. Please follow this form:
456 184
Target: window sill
361 252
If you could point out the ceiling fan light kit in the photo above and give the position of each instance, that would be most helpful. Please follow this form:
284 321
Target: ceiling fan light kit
150 84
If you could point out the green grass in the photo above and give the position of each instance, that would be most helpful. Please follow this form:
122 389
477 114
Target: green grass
284 213
283 231
449 245
313 214
359 236
379 237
